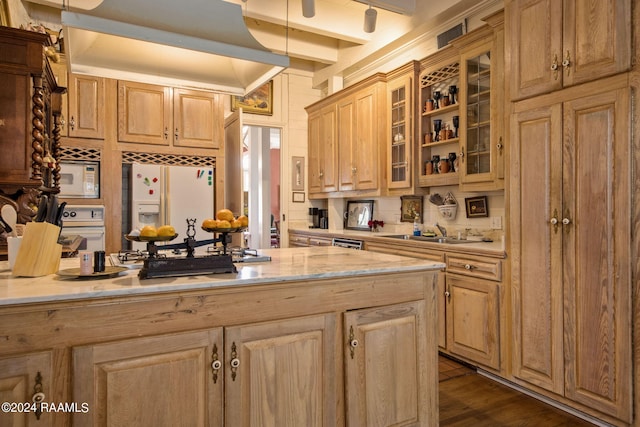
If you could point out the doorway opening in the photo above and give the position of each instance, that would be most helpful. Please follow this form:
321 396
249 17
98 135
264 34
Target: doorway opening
261 185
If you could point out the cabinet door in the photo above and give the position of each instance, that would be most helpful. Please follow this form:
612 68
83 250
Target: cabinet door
534 29
20 378
536 281
282 373
85 118
473 319
597 39
385 361
596 244
144 113
366 142
346 145
399 138
198 118
322 150
159 380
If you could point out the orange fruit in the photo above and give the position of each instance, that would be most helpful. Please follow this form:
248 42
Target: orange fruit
209 223
236 223
166 230
149 231
244 221
224 214
224 224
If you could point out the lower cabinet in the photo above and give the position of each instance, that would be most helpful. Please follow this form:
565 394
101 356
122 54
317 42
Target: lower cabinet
25 380
126 382
385 350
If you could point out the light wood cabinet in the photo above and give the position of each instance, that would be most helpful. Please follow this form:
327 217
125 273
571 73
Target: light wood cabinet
401 128
345 141
26 379
384 349
557 44
291 362
482 141
323 138
86 107
358 140
570 199
126 382
158 115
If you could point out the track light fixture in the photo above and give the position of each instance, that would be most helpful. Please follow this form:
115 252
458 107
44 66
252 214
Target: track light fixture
370 16
308 8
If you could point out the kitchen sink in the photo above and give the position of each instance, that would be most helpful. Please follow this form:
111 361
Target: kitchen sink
434 239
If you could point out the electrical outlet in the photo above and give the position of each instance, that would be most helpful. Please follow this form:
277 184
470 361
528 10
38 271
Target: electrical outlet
496 222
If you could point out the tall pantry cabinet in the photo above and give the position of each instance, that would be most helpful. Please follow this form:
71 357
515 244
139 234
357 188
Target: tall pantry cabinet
570 203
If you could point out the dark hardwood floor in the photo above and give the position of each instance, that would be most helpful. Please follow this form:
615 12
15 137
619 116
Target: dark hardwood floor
469 399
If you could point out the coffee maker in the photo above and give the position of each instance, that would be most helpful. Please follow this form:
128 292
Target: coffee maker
314 218
323 218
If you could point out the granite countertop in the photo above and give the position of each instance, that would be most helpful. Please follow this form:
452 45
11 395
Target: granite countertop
287 264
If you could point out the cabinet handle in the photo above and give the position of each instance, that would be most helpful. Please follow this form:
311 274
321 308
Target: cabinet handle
554 67
354 170
447 294
353 342
468 267
38 395
461 156
216 364
566 220
554 220
176 134
235 362
499 145
566 63
72 123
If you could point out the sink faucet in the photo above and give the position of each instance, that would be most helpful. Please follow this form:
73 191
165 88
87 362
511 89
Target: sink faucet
441 228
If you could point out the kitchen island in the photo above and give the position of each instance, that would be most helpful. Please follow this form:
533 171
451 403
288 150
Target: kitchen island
318 336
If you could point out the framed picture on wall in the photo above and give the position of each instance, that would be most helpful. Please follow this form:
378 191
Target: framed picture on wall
259 101
476 206
297 173
359 213
410 207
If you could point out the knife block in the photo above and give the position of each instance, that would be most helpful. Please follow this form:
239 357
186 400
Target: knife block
39 252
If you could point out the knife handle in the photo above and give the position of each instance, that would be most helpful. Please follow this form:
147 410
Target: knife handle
42 208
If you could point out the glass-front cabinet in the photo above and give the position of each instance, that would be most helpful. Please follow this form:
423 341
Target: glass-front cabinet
481 155
401 127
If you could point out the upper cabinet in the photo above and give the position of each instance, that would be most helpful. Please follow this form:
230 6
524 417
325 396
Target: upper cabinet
322 150
151 114
401 127
481 158
561 43
345 134
30 108
359 139
85 118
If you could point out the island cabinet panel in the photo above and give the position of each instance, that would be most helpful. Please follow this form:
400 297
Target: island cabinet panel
21 378
384 350
282 373
151 381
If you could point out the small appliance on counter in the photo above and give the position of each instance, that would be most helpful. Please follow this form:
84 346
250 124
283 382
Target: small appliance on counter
314 218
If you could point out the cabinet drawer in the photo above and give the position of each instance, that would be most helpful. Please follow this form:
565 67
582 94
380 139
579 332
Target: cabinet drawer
475 266
295 240
319 241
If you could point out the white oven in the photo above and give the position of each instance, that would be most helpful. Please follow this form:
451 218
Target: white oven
86 221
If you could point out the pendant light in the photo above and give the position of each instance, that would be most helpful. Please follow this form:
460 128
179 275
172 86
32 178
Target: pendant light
370 16
308 8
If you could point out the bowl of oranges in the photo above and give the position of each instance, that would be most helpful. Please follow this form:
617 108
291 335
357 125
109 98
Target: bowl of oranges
225 222
149 233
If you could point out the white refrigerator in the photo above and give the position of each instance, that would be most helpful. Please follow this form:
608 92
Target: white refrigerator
169 195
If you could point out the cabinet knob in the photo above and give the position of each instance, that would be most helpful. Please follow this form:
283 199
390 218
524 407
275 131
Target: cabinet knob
566 221
72 123
554 67
166 133
447 294
468 267
354 170
176 134
566 62
354 343
554 220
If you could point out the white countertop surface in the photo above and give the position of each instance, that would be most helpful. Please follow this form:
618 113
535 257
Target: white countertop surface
287 264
